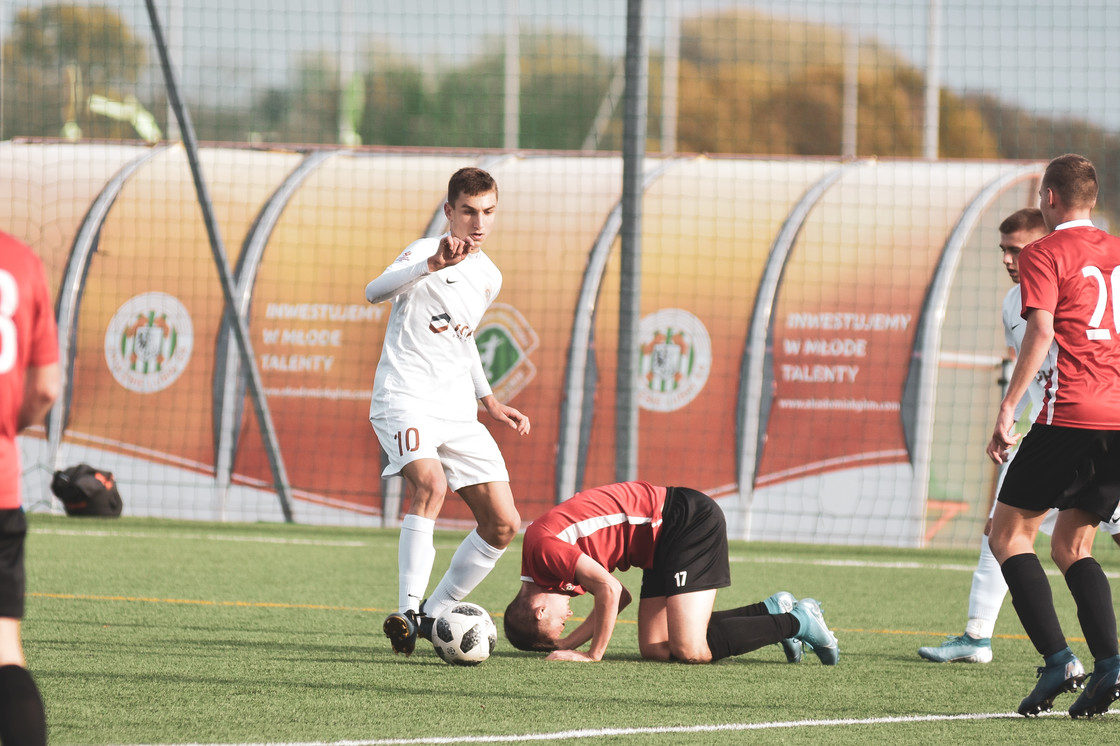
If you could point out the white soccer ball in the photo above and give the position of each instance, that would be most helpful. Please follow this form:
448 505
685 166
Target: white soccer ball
464 635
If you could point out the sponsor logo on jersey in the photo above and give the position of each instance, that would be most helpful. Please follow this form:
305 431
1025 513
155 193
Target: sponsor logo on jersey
149 342
440 323
505 340
676 358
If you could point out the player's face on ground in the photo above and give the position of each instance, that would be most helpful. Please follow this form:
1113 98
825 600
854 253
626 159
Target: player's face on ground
472 216
1012 244
556 612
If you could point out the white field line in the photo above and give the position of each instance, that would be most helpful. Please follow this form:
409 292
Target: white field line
572 735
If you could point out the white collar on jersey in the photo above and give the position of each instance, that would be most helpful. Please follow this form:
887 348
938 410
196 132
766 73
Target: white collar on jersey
1083 223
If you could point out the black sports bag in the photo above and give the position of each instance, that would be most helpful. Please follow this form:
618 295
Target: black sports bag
86 491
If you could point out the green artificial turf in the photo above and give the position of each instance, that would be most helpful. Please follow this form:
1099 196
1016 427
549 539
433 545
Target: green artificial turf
160 632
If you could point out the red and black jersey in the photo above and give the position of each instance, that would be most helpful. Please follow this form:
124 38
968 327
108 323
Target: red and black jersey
617 525
1072 273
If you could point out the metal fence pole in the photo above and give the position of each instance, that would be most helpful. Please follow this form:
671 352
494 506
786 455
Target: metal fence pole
635 104
236 322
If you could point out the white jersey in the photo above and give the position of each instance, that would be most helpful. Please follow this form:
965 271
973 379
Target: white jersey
429 362
1014 327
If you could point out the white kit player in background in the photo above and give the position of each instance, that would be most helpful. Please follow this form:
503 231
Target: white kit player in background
425 405
988 586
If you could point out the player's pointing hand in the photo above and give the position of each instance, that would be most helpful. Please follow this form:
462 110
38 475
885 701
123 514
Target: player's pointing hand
451 251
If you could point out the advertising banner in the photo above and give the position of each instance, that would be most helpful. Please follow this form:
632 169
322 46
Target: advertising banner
835 460
702 258
152 378
151 304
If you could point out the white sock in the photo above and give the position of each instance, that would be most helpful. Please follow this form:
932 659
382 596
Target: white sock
988 591
416 553
473 561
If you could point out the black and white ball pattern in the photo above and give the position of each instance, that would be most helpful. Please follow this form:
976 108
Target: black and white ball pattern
464 635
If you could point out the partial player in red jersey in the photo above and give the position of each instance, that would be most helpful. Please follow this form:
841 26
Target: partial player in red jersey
678 537
1019 229
29 383
1068 460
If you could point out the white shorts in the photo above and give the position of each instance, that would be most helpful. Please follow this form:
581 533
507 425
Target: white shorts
1109 527
466 450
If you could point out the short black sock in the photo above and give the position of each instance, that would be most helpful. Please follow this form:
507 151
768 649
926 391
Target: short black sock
1034 602
730 636
1089 586
23 721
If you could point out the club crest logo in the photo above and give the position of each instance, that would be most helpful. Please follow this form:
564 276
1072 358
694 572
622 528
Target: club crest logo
149 342
676 358
505 340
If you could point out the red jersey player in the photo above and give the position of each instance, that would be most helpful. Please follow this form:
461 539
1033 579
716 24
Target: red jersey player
1068 460
29 382
678 537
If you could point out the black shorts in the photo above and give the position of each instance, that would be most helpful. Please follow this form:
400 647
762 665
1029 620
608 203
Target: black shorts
1065 467
13 580
691 550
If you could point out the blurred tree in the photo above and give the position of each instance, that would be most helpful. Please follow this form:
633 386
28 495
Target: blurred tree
398 109
563 77
55 58
270 113
306 112
964 133
314 111
751 83
1025 136
467 107
727 109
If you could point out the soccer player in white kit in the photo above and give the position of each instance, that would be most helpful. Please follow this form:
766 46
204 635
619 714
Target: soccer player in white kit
425 405
988 586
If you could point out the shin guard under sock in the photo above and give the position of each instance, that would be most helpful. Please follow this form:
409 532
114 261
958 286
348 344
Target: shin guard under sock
730 636
987 594
472 562
1034 602
416 554
1090 589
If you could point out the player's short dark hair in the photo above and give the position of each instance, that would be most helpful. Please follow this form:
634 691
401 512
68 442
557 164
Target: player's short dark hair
470 181
521 628
1073 178
1027 219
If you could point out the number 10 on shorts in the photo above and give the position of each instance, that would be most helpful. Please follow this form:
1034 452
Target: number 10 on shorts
409 440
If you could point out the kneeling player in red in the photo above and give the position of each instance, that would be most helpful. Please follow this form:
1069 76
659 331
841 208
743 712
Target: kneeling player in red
678 537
